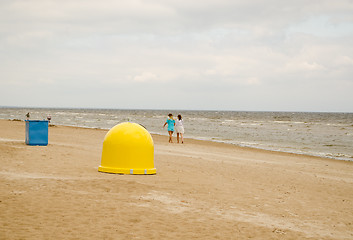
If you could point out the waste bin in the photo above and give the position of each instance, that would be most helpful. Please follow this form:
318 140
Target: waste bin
37 132
128 149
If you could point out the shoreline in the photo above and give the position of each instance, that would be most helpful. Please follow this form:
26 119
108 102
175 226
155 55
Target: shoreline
213 141
200 142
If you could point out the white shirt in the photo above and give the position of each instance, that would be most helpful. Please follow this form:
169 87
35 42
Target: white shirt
179 122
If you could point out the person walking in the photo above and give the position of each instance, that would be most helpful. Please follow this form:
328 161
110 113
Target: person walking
179 128
171 123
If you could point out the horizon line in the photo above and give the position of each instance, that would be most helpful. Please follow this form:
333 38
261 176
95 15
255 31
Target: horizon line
160 109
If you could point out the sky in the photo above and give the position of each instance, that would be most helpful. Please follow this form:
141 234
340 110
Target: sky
255 55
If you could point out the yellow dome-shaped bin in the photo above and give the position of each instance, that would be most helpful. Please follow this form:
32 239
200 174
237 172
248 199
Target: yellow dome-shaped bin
128 149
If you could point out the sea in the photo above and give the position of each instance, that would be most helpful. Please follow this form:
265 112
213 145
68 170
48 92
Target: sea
328 135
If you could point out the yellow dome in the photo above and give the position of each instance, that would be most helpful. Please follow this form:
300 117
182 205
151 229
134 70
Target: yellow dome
128 149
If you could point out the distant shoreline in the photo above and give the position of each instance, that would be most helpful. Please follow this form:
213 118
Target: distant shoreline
206 140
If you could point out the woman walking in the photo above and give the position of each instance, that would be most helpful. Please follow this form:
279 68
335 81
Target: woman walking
179 128
171 123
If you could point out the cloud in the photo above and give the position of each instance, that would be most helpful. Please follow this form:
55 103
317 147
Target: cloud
146 77
221 48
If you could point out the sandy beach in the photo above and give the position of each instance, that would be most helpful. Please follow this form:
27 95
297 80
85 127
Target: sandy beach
202 190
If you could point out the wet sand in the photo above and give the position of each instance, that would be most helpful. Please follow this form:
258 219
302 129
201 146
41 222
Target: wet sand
202 190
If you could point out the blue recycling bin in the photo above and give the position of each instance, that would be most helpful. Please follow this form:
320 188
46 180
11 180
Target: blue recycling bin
37 132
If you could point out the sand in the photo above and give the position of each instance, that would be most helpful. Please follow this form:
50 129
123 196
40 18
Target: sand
202 190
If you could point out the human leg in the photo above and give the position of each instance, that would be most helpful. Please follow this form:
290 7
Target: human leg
170 136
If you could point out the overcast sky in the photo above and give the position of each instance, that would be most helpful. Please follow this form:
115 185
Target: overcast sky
256 55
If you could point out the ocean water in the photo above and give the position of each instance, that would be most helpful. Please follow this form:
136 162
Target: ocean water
319 134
